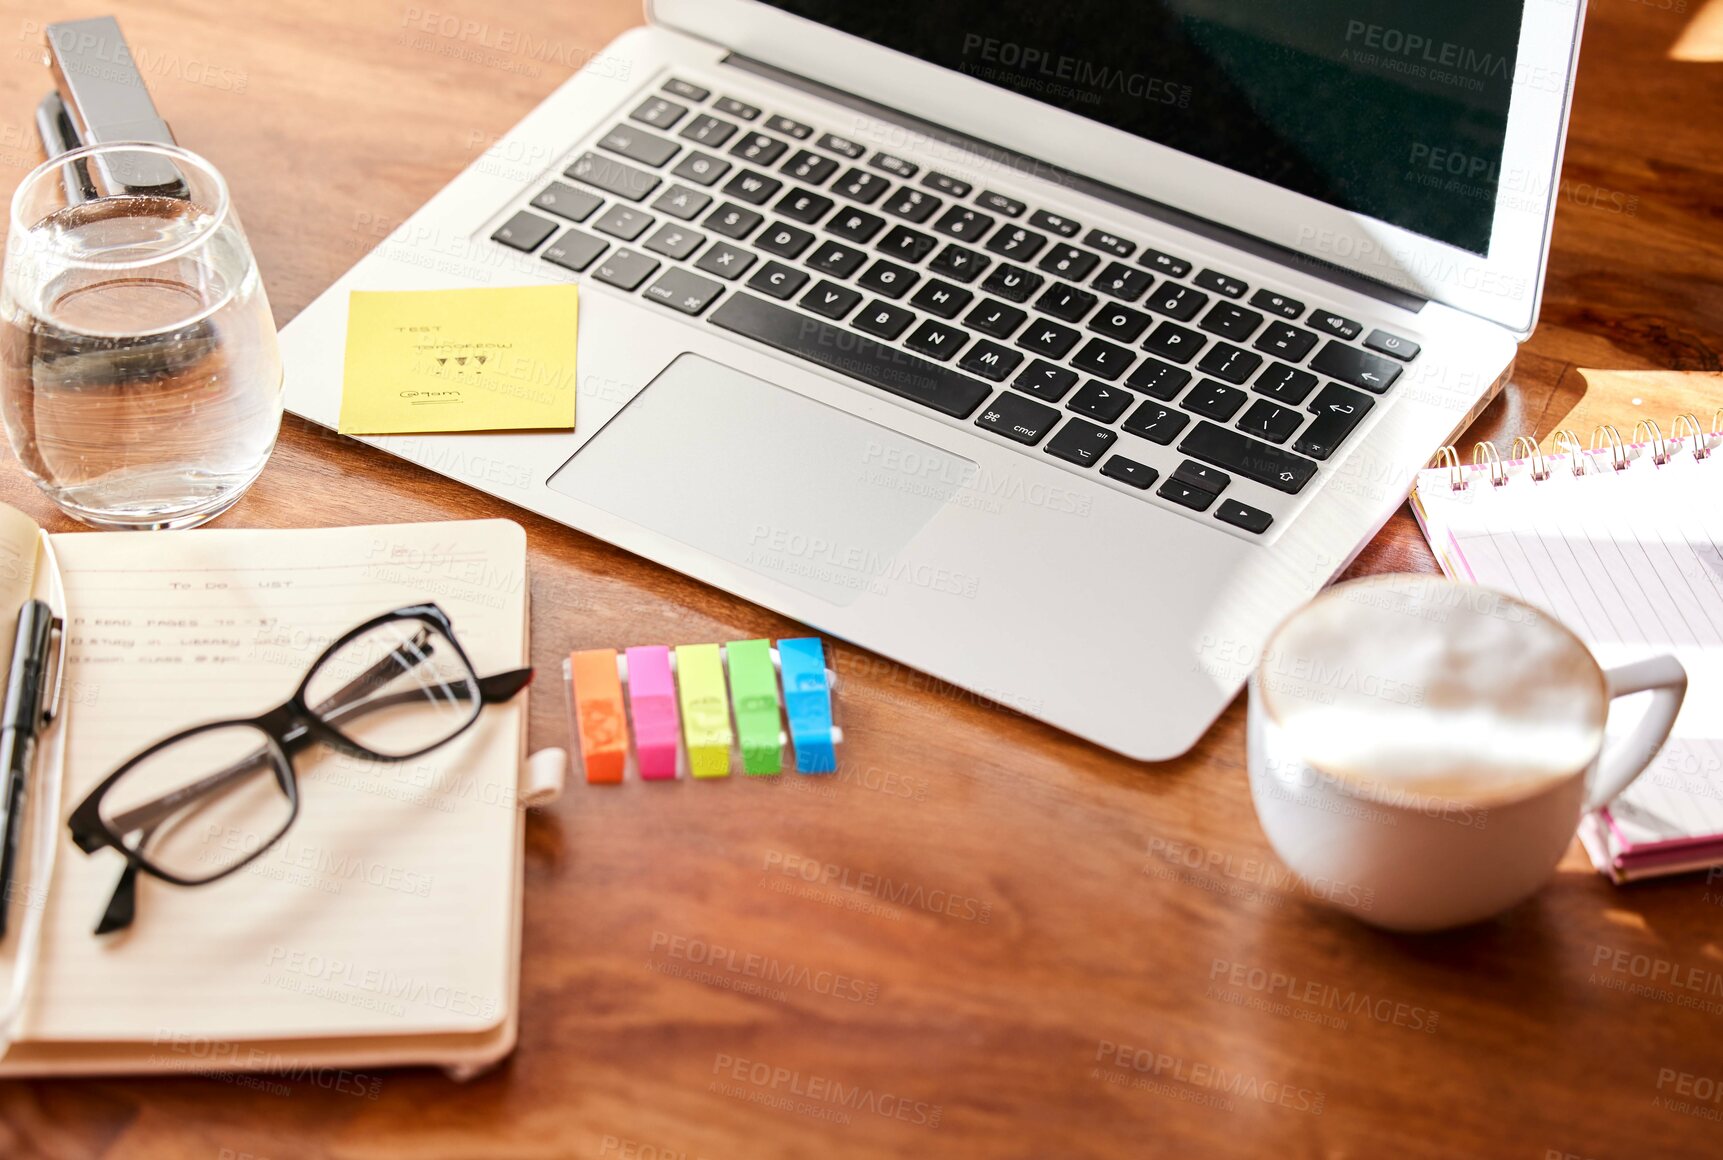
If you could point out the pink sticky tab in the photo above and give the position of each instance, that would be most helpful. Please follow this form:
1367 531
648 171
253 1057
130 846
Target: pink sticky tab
652 705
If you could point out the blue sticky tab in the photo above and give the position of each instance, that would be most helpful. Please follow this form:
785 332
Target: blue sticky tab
808 703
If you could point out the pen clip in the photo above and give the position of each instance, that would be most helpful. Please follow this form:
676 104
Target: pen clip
51 707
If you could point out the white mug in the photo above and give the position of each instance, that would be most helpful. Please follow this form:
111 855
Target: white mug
1425 750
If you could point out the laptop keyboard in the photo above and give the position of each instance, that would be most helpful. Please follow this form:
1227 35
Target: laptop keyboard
965 301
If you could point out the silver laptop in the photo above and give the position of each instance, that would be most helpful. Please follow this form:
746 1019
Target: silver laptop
1058 351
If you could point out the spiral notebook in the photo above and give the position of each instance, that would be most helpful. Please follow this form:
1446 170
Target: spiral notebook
1622 540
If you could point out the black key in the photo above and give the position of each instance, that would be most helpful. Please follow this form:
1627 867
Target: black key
888 278
876 364
1016 243
1175 342
574 250
907 245
806 165
1046 381
1248 457
861 186
1241 515
1351 365
1230 321
686 89
1220 283
854 225
1277 304
1175 301
1334 324
1207 478
1013 282
1048 338
620 221
1157 379
1338 410
1287 384
1059 224
1184 494
957 262
1081 442
1099 401
1285 340
727 261
753 188
1112 243
941 298
1103 359
936 339
990 360
701 168
1393 345
1066 302
1121 281
760 148
638 145
1139 475
1120 322
999 203
1156 423
681 202
564 200
674 240
945 184
842 145
1215 400
733 221
897 165
1165 264
612 176
736 108
708 130
782 124
804 206
829 300
1015 417
784 241
911 204
1229 362
963 223
992 317
1069 262
883 319
1270 421
626 269
837 260
659 112
778 280
525 231
680 290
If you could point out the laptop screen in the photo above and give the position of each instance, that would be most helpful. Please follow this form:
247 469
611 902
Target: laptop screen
1388 108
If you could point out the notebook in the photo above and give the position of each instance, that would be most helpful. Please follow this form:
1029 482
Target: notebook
384 927
1622 540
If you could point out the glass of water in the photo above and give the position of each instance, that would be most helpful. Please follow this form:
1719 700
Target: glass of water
140 378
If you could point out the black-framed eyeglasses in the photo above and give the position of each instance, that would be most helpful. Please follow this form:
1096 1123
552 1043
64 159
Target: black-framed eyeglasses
201 804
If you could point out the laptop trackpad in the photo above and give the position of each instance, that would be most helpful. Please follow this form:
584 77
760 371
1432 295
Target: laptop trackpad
766 478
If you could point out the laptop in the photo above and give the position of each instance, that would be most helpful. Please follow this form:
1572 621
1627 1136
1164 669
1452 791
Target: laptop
1057 351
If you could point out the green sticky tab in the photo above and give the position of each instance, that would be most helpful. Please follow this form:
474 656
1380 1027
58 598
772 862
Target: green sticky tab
754 694
705 709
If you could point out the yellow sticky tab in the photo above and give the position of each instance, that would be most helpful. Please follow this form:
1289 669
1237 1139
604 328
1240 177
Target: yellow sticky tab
491 359
705 709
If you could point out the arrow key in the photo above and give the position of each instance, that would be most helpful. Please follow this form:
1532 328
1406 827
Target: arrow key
1351 365
1099 401
1338 411
1193 474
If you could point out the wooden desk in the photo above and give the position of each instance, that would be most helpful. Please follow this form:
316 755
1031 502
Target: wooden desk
1051 909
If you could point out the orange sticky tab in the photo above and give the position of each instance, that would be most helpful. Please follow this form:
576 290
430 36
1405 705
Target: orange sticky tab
600 721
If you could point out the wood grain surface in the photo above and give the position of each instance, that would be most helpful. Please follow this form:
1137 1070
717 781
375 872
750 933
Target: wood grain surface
1049 912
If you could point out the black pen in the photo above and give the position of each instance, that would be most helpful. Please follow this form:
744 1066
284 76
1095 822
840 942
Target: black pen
22 715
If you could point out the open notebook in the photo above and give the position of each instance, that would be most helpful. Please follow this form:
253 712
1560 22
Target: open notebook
384 928
1625 546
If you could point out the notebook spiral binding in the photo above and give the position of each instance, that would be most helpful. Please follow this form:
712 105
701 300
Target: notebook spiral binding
1684 429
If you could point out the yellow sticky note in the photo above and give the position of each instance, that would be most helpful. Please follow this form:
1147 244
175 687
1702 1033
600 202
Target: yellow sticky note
460 360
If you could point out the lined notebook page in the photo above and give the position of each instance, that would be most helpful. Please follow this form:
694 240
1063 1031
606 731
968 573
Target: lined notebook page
1632 561
388 908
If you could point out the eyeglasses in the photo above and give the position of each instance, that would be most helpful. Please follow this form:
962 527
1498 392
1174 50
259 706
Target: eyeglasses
198 806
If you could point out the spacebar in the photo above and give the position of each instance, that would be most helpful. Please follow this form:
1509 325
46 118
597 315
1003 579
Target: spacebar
852 354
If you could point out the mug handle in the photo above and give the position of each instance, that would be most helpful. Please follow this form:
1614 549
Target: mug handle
1624 761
